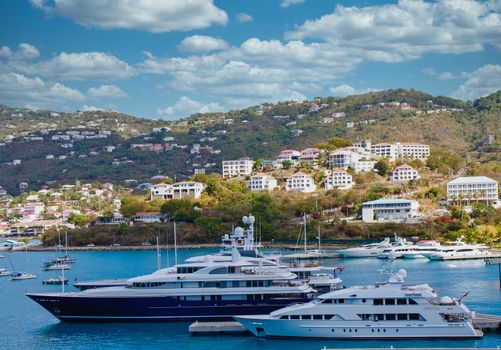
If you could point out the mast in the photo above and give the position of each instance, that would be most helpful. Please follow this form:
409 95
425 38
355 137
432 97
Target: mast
167 244
318 237
304 228
175 244
158 255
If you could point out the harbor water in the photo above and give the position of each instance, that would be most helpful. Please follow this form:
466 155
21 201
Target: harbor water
26 325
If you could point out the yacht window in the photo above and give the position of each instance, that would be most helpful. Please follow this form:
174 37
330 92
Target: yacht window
389 301
402 317
306 317
294 317
390 317
218 271
363 300
317 317
340 301
414 317
328 317
379 317
231 269
284 317
401 301
412 302
378 301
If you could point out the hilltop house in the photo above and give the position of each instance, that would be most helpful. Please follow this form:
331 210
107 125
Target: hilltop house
177 190
237 168
262 182
148 217
404 172
300 182
390 210
339 179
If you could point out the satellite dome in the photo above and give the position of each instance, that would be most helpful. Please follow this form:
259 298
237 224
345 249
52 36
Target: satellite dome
445 300
245 220
402 273
239 231
251 219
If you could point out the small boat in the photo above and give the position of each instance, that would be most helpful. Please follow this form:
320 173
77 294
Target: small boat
366 250
57 281
18 276
51 267
4 272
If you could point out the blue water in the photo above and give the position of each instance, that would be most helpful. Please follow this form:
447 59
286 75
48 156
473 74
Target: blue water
26 325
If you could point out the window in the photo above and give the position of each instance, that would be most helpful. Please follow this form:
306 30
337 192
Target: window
294 317
341 301
401 301
390 317
284 317
379 317
414 317
402 317
317 317
378 301
328 317
389 301
306 317
412 302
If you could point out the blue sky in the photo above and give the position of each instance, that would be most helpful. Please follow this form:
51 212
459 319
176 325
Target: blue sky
169 58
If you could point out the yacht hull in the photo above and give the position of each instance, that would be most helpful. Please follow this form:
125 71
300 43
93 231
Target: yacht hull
275 328
158 308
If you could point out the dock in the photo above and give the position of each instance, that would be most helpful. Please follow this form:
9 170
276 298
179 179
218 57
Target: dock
211 328
487 322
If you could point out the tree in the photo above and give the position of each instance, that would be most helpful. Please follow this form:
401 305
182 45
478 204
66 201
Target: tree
381 167
258 164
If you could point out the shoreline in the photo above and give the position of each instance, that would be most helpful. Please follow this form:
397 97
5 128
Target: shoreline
170 247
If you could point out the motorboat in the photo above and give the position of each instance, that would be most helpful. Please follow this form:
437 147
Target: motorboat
56 266
12 245
4 272
217 290
421 248
18 276
366 250
55 281
385 310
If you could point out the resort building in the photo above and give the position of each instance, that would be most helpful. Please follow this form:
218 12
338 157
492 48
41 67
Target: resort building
237 168
390 210
473 189
393 151
262 182
342 158
309 154
300 182
404 172
339 179
289 155
363 166
178 190
149 217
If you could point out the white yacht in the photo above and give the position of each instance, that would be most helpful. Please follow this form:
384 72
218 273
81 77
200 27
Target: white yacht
366 250
18 276
468 251
4 272
383 310
13 245
421 248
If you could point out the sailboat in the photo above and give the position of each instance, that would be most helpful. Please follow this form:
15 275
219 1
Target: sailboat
66 258
310 254
18 276
60 262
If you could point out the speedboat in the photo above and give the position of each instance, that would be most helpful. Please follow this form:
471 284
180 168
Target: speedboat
195 291
18 276
366 250
384 310
56 266
55 281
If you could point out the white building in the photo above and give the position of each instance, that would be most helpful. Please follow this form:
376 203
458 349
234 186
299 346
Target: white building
339 179
149 217
290 155
300 182
473 189
404 172
261 182
392 151
342 158
390 210
178 190
239 167
363 166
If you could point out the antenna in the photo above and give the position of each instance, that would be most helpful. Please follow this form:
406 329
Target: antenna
175 244
158 255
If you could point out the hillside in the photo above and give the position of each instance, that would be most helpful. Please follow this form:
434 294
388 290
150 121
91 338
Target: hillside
102 147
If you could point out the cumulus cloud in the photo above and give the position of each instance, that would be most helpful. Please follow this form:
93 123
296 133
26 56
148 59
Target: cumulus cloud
406 30
243 17
106 91
24 51
202 43
287 3
439 75
185 106
484 81
87 108
150 15
80 66
17 89
344 90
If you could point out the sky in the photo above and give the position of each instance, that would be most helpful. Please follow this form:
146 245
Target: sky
167 59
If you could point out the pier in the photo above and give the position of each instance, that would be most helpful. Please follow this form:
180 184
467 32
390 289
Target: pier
211 328
487 322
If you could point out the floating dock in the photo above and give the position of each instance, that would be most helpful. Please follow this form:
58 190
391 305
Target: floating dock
487 322
211 328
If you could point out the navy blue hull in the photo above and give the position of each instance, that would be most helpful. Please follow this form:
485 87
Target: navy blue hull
67 308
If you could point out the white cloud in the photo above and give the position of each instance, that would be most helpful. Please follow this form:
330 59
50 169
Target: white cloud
17 89
344 90
24 51
202 43
407 30
243 17
87 108
80 66
484 81
185 106
287 3
150 15
439 75
106 91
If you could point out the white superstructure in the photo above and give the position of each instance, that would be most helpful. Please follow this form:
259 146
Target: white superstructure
383 310
366 250
473 189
